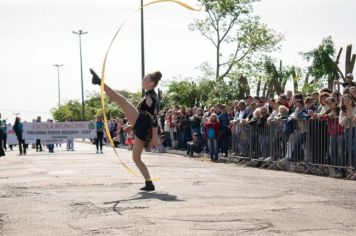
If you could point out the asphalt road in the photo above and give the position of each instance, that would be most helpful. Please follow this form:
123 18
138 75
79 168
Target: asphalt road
82 193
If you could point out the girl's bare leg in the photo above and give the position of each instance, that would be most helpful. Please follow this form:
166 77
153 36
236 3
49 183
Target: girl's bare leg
136 154
131 114
130 111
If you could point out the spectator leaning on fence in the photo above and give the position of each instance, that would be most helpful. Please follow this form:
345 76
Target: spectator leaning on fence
336 96
336 133
240 143
300 115
262 131
347 119
309 104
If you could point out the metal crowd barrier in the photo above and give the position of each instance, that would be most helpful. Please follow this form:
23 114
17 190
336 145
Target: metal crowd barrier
316 146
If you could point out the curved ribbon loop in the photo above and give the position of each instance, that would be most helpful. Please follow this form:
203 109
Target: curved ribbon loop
102 98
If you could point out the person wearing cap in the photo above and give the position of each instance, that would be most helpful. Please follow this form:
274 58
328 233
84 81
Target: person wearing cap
349 81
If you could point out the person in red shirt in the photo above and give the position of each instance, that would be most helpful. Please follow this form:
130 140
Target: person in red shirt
335 131
212 127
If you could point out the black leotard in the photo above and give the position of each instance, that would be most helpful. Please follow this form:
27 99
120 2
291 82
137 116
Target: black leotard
148 110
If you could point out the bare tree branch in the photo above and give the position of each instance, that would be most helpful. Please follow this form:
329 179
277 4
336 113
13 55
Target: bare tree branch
234 61
210 37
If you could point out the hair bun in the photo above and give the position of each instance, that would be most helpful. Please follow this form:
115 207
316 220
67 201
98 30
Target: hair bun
157 75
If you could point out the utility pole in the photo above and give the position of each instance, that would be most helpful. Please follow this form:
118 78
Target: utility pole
80 33
59 85
142 47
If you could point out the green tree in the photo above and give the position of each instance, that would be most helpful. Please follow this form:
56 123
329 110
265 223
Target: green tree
184 92
232 22
322 68
72 109
201 92
276 79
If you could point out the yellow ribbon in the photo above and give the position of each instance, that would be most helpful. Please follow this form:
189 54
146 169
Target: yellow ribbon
103 77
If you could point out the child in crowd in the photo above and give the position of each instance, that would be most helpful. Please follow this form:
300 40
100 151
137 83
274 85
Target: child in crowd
212 127
194 146
129 140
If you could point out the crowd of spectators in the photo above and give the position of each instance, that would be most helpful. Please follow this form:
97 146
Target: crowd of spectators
272 128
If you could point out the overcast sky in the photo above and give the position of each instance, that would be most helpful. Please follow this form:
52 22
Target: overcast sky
35 34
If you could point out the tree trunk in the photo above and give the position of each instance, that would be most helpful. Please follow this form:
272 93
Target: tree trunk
270 88
258 87
330 82
306 82
217 61
295 80
245 85
264 89
350 60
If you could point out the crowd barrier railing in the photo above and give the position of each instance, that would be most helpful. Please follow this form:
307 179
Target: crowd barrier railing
319 146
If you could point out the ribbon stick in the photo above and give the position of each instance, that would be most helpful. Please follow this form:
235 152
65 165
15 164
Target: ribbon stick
102 85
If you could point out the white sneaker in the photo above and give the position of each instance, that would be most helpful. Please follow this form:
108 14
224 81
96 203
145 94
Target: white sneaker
101 152
97 152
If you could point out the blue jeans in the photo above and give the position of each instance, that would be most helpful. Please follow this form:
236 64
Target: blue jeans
50 147
213 149
182 140
298 151
350 144
167 138
336 149
263 142
224 142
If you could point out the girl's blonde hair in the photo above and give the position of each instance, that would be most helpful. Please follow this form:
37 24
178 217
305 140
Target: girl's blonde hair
214 115
257 112
283 110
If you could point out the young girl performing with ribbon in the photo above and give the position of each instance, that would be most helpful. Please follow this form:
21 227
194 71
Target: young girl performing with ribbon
143 119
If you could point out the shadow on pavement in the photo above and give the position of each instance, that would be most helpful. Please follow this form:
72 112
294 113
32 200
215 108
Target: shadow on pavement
144 196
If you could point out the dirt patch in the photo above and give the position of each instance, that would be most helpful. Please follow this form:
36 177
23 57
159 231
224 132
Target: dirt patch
17 191
86 209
